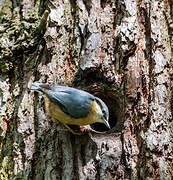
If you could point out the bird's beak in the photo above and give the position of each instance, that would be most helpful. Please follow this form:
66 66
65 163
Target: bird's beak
107 124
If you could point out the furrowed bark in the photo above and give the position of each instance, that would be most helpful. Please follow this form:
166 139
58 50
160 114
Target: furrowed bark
117 50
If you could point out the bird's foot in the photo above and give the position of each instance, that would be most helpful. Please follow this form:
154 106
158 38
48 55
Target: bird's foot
85 128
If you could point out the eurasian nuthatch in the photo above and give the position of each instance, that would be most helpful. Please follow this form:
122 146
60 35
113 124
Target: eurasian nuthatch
72 106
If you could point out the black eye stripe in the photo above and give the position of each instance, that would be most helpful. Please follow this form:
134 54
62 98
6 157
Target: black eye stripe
104 108
104 113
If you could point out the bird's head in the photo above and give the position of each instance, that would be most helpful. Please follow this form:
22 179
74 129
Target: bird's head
103 112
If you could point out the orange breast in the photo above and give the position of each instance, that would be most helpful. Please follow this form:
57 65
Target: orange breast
59 115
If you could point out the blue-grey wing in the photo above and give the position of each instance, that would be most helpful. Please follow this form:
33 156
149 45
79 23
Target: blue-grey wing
73 102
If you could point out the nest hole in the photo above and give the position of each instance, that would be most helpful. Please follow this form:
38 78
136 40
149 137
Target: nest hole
102 88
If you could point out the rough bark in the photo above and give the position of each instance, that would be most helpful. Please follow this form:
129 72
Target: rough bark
117 50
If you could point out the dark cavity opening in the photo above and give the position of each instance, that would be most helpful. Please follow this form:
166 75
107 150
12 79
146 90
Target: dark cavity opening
102 87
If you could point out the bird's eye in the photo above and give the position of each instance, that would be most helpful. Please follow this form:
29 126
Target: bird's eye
104 114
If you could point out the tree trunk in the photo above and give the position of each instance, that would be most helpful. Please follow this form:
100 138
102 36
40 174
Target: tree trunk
117 50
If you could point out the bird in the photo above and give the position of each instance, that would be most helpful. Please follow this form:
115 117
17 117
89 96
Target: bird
72 106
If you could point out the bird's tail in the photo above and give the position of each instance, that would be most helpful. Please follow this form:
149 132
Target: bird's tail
39 87
36 86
